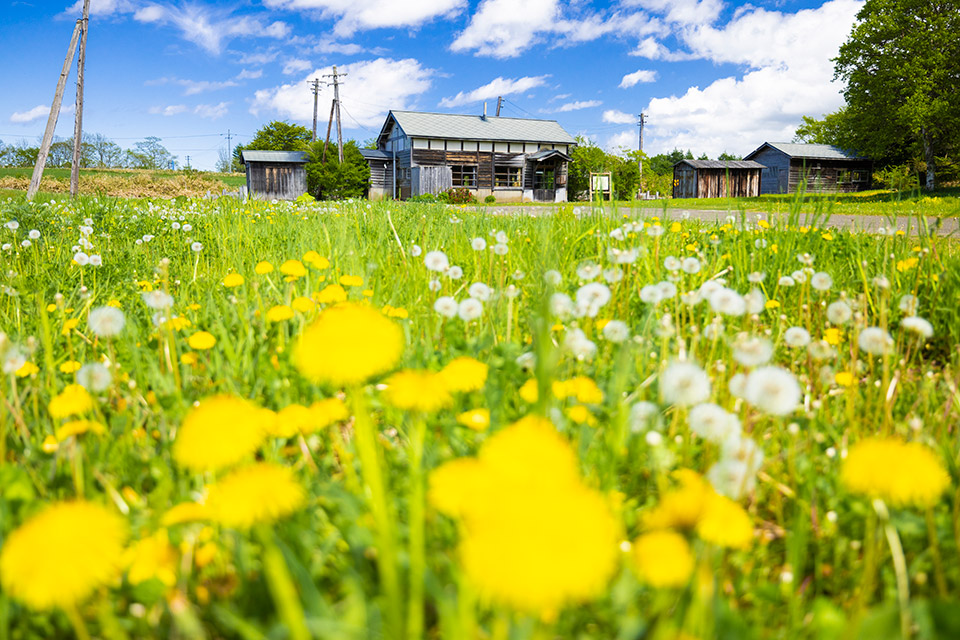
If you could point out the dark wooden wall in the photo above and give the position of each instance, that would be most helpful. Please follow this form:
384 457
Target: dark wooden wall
823 176
276 181
773 179
715 183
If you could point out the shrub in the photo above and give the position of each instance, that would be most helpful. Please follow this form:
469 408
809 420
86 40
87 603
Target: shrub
900 177
490 199
460 196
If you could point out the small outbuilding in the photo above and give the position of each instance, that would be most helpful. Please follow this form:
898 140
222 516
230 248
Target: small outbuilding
716 179
819 168
275 175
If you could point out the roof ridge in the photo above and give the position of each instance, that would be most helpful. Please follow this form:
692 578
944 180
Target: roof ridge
472 115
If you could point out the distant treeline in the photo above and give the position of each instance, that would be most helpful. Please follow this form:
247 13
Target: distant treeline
96 151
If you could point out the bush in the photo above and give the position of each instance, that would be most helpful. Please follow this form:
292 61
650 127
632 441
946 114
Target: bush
490 199
900 177
460 196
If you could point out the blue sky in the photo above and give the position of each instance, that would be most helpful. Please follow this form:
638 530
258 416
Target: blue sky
712 75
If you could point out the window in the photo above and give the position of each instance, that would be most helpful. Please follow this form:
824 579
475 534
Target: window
861 175
464 175
843 176
506 177
544 178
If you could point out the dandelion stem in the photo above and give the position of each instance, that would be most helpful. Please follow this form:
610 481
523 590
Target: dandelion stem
938 573
281 586
899 567
366 443
76 621
417 534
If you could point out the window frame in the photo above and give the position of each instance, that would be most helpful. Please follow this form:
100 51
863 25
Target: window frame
507 177
464 176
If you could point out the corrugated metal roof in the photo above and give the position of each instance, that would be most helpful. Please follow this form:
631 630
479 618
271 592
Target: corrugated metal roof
545 154
722 164
375 153
462 127
249 155
805 150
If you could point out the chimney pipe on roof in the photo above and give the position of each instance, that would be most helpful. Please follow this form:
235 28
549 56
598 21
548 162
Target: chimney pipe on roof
484 117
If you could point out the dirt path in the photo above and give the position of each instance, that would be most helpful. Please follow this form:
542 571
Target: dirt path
868 223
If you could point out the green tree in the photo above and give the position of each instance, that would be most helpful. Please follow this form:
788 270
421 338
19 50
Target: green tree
278 135
335 181
901 64
586 158
149 154
729 156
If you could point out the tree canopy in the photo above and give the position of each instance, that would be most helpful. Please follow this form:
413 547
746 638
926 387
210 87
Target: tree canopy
335 181
278 135
901 65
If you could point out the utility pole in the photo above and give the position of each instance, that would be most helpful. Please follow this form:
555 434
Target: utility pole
188 162
229 137
326 143
315 84
78 116
54 114
499 104
640 123
336 101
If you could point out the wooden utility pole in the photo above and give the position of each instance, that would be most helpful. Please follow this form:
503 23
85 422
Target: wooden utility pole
78 114
499 104
640 123
315 84
54 114
336 101
326 143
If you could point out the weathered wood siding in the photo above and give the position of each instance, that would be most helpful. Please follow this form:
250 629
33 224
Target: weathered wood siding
684 181
689 182
773 179
824 176
276 181
432 179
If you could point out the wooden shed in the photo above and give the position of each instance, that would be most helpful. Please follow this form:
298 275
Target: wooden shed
716 179
819 168
275 175
512 159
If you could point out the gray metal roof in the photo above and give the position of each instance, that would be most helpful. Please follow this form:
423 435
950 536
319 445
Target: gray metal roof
722 164
462 127
298 157
804 150
546 154
375 154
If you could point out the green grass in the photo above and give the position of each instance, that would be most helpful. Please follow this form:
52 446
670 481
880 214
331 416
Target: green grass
231 179
364 556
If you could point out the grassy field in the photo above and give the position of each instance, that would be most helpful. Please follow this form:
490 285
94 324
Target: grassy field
123 182
385 420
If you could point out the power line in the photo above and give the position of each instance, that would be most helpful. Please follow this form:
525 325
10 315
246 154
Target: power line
358 122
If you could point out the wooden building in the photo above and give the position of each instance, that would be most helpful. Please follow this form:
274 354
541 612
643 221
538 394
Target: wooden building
819 168
275 175
513 159
716 179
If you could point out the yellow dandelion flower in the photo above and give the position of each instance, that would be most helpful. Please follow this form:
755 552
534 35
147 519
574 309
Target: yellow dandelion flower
79 427
261 492
351 281
73 400
70 366
303 304
476 419
900 473
232 280
62 555
188 358
27 370
263 268
581 415
202 340
185 512
844 378
152 557
50 444
681 507
315 260
414 390
331 294
367 293
395 312
832 336
219 432
114 303
290 420
454 484
178 323
676 227
293 269
529 392
725 523
329 411
279 313
194 307
584 389
663 559
464 374
771 304
347 344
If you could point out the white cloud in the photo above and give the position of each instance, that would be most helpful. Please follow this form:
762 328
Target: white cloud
789 75
578 105
99 8
354 15
193 87
506 28
211 111
209 28
614 116
295 65
623 140
653 49
379 85
247 74
262 57
342 48
498 87
30 115
683 12
169 110
638 76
